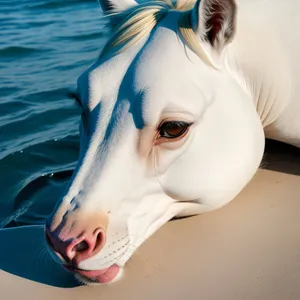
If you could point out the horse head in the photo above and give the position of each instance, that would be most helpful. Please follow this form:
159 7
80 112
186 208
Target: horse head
166 131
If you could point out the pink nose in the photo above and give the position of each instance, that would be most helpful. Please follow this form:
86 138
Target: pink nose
75 250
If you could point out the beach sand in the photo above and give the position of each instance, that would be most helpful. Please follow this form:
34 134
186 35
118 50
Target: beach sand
250 249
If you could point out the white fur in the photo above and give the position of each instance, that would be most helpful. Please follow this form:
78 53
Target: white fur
128 94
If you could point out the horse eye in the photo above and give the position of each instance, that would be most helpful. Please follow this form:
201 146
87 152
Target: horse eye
173 129
76 97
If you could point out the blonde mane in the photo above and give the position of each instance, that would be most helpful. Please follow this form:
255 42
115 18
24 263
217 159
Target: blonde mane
137 22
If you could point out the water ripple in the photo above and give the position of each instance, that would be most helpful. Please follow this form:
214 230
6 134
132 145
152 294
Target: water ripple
16 51
45 45
58 4
82 37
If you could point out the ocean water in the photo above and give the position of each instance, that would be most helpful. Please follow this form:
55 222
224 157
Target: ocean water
44 46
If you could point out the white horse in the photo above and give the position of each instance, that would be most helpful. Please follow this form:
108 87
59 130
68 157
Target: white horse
175 113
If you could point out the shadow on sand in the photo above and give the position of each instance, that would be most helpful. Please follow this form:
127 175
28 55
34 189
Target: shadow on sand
281 157
23 253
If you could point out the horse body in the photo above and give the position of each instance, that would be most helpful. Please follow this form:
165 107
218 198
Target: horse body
263 58
175 112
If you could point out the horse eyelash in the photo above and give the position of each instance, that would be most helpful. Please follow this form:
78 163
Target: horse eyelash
75 97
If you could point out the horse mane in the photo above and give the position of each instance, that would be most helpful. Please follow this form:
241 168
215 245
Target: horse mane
135 23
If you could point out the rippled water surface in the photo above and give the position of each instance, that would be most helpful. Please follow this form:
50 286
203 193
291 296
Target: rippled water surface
44 46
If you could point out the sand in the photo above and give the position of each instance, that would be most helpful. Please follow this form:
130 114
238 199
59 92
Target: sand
248 250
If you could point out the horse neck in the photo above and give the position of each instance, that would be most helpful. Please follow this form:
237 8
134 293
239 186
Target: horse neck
257 66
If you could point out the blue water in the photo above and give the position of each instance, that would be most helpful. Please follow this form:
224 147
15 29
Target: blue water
44 46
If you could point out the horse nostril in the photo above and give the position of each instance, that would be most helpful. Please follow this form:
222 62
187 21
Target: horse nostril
100 239
82 246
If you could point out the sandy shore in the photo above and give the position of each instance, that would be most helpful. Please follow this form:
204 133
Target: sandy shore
248 250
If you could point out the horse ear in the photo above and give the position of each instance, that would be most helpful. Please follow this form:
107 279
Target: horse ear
215 21
109 6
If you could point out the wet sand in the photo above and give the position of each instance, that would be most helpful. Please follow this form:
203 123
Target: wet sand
248 250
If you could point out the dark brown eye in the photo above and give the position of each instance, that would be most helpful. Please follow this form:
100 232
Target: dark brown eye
173 129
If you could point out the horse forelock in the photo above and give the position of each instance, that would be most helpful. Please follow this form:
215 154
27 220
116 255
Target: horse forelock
135 23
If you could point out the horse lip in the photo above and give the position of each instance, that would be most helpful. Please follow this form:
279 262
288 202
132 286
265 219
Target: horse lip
101 276
87 273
